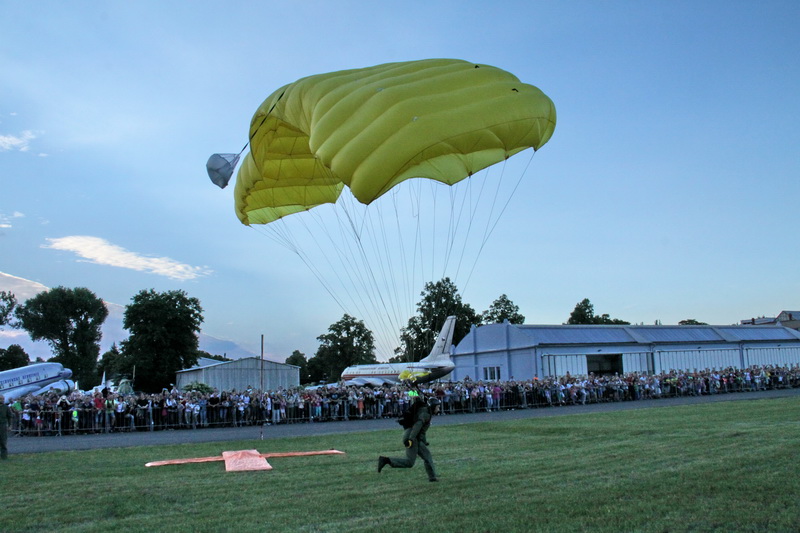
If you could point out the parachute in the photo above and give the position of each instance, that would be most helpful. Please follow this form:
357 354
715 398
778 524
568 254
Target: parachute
353 137
372 128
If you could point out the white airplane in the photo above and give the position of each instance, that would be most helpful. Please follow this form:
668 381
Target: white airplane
40 378
435 366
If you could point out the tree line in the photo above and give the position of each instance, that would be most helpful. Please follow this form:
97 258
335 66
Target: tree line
162 339
163 328
349 342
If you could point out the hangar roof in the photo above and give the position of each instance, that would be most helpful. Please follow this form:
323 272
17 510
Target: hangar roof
244 362
500 336
613 334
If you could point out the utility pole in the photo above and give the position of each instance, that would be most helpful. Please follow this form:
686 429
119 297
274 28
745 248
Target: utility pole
262 387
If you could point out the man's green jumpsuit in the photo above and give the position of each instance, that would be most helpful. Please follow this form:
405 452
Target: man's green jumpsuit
5 423
415 441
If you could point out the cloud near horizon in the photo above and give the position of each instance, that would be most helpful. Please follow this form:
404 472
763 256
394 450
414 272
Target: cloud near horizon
101 252
20 142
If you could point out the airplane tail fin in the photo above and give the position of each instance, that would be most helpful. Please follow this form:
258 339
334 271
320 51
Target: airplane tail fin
441 349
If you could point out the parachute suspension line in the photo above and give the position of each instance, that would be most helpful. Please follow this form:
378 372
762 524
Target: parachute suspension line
336 251
380 263
452 224
511 195
403 291
500 214
472 200
391 272
336 264
281 231
433 245
360 278
360 230
283 238
349 248
419 235
466 200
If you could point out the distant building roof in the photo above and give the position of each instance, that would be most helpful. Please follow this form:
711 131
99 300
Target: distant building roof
205 362
788 316
240 374
760 321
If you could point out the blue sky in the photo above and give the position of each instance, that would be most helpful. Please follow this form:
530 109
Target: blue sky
667 192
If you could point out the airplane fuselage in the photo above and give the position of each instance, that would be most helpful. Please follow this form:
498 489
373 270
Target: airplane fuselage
379 374
435 366
35 379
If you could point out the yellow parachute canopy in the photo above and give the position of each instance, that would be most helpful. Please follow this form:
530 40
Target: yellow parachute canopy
372 128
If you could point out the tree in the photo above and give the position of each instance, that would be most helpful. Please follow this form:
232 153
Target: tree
163 337
298 359
439 300
348 342
196 386
111 364
13 357
69 320
584 314
206 355
502 309
7 304
691 322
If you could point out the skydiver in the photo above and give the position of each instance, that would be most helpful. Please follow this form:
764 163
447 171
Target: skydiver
416 423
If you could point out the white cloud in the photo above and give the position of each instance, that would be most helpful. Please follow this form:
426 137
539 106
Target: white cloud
11 335
5 220
17 142
21 287
101 252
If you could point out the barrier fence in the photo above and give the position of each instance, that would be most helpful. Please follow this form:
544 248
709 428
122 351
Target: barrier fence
157 412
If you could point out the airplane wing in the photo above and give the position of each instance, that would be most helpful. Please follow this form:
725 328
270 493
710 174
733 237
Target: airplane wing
18 392
64 386
363 381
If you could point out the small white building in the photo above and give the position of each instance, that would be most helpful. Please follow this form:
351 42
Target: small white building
240 374
507 351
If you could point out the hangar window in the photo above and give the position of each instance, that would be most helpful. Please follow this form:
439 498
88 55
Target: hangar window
605 364
491 373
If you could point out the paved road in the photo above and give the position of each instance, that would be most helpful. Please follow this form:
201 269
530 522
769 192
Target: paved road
152 438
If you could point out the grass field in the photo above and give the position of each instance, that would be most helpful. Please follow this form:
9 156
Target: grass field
729 466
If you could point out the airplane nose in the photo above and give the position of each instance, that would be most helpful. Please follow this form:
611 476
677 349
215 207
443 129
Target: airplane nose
66 373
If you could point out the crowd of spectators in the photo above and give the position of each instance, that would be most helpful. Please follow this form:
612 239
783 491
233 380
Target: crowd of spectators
108 411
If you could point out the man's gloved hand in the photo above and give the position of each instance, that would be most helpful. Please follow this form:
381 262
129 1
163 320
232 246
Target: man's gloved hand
409 443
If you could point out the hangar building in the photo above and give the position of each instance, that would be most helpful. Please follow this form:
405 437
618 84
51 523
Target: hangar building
507 351
240 374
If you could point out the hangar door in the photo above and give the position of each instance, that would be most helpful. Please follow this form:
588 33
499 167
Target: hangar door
604 364
561 365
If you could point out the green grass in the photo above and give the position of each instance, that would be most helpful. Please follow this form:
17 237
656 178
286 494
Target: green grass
729 466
